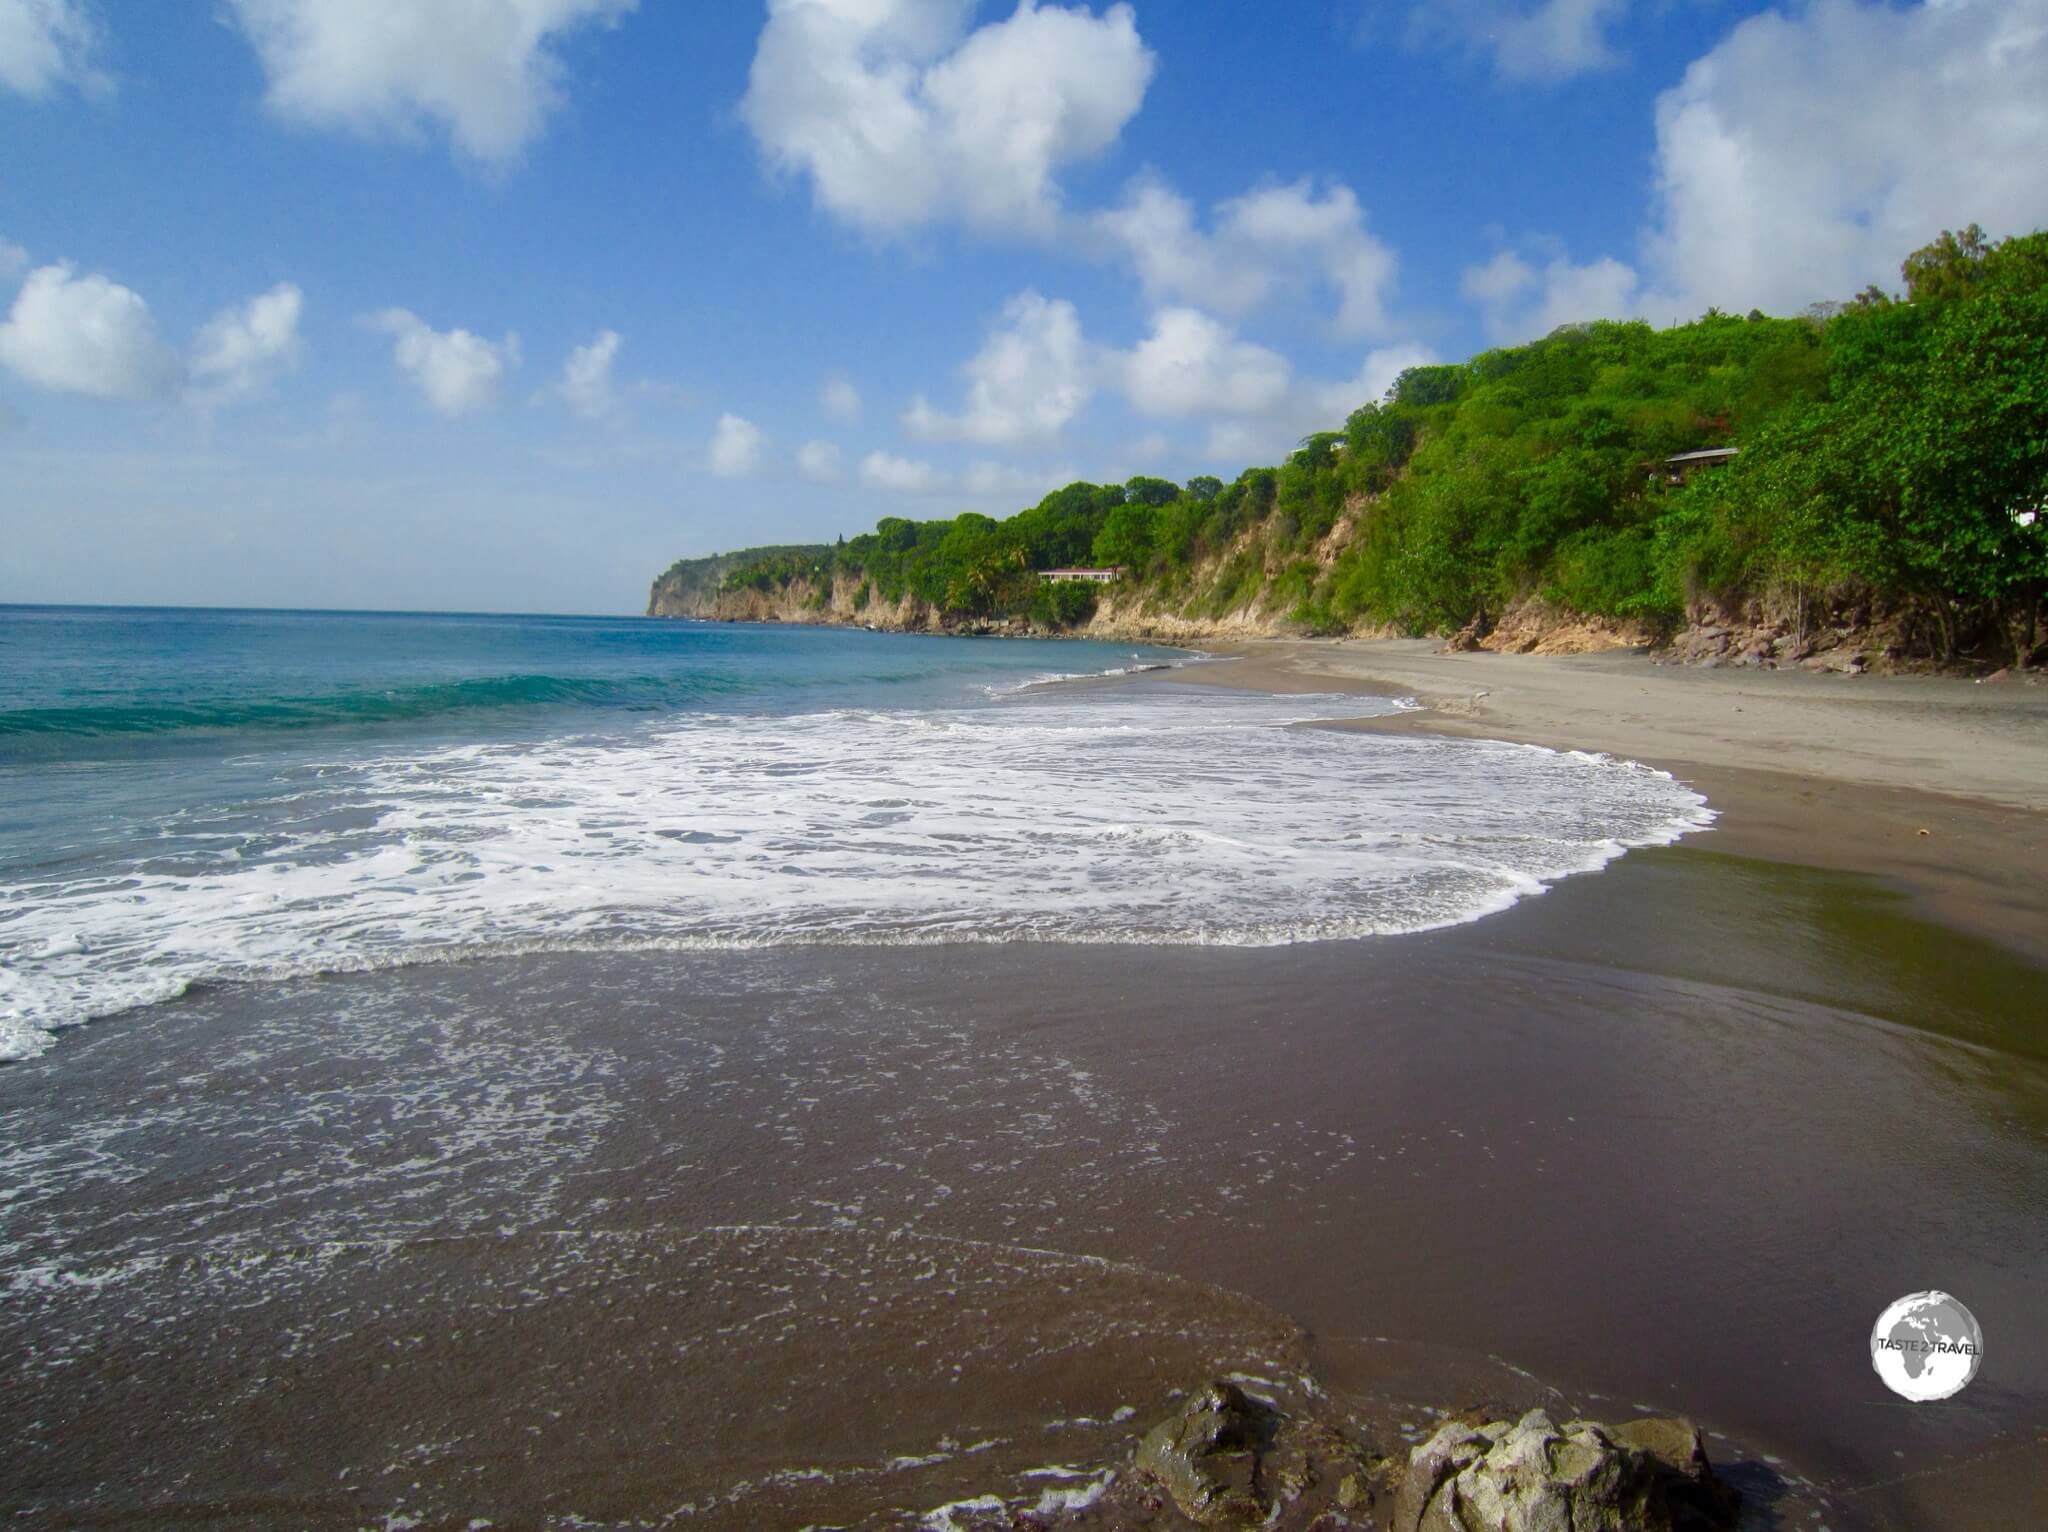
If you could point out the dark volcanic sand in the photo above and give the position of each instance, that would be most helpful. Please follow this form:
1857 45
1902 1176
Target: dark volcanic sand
809 1236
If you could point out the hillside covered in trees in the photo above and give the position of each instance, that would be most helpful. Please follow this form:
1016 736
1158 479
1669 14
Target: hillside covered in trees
1893 465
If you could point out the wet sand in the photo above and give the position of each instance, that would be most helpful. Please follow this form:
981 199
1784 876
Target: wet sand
842 1236
1833 771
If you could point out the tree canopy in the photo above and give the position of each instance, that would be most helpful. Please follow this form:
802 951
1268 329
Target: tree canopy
1895 447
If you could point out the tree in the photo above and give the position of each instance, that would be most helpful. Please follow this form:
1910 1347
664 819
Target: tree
1126 537
1144 491
1949 268
1205 488
1429 385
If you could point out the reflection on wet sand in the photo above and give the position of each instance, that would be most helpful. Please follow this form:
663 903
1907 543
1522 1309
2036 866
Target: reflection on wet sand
794 1237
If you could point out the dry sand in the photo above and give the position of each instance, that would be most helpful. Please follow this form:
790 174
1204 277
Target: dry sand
1937 784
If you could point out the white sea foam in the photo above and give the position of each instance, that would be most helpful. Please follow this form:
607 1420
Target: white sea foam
1172 815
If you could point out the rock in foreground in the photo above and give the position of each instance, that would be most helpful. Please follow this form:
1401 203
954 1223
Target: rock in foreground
1532 1475
1227 1459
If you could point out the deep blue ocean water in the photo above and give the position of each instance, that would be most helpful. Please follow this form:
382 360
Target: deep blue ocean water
204 796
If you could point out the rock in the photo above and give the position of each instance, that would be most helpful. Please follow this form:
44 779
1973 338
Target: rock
1996 676
1466 639
1536 1476
1844 661
1696 1498
1227 1459
1208 1455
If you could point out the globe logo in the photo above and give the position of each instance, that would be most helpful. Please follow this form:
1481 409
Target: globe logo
1926 1346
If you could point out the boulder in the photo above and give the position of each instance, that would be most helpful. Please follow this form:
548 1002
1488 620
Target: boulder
1698 1501
1467 639
1844 661
1229 1459
1208 1455
1532 1475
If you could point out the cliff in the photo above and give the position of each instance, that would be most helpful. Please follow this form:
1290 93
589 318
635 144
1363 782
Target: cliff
1236 594
689 587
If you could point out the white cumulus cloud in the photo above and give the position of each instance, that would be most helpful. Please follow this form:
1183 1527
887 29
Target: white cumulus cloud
239 352
819 461
486 70
908 476
86 335
1276 236
586 382
738 447
900 116
1805 155
13 259
1499 282
1192 364
1335 401
457 373
1520 301
47 44
1270 434
1028 380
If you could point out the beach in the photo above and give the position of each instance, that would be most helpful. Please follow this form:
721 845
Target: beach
929 1232
1833 771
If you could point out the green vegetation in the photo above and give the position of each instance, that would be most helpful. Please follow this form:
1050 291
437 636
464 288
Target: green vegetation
1894 455
686 582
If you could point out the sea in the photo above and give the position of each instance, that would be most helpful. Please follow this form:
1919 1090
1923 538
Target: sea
471 1071
197 797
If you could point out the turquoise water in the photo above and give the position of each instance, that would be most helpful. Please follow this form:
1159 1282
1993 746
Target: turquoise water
93 683
203 797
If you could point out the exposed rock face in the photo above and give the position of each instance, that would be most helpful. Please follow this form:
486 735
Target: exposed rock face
1209 1455
1532 1475
1848 639
1534 626
1229 1460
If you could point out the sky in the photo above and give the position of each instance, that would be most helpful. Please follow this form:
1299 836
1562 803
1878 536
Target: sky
503 305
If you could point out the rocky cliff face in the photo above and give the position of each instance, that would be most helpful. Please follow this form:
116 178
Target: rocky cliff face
690 587
837 604
693 588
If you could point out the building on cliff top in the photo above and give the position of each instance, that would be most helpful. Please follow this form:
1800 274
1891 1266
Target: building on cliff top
1687 463
1090 576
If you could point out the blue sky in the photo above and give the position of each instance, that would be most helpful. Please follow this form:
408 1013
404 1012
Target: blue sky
504 304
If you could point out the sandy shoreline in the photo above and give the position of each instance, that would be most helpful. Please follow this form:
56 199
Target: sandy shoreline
1837 772
919 1222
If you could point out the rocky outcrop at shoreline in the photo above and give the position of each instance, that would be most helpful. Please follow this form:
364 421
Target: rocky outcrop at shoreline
1228 1457
1758 635
1533 1475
